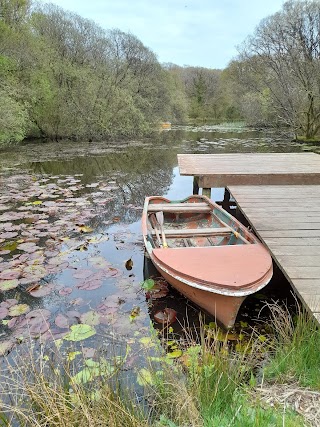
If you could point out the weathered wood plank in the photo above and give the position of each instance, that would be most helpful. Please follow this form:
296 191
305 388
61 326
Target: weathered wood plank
290 241
294 250
288 226
302 272
312 301
299 260
289 233
308 286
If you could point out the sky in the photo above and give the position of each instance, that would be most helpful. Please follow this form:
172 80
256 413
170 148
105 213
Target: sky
202 33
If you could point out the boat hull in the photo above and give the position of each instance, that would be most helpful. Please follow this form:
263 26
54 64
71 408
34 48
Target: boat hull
223 307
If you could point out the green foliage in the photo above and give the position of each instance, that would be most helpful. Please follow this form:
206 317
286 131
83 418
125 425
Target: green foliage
13 119
77 81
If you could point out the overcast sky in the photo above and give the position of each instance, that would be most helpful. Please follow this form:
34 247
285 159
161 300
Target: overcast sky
185 32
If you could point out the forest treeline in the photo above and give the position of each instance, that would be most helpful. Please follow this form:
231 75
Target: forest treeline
63 76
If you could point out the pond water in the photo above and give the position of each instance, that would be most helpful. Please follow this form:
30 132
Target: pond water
70 222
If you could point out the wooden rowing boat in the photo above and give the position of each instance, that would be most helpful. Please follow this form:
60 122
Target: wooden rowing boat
205 253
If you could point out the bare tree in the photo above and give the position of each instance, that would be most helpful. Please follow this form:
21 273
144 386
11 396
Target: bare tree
283 56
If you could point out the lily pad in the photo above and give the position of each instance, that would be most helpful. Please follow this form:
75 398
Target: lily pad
174 354
166 316
145 377
6 285
80 332
3 313
148 284
6 346
39 312
41 291
91 318
18 310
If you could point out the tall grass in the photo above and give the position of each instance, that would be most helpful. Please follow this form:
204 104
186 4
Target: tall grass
296 354
211 384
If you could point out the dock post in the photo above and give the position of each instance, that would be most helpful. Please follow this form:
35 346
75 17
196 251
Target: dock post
226 200
195 185
206 192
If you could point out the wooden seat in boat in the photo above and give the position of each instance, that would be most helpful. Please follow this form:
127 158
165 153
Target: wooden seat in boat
179 207
189 232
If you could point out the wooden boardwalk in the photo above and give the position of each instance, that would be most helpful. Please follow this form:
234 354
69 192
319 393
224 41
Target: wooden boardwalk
287 220
279 194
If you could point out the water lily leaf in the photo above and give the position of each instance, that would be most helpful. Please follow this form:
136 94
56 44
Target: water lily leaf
159 290
6 346
88 352
147 342
99 262
6 285
65 291
28 247
129 264
72 355
80 332
82 274
10 274
226 336
91 318
9 247
18 309
174 354
145 377
262 338
134 313
41 291
8 235
39 312
90 285
38 326
84 229
148 284
166 316
62 321
36 270
92 370
3 312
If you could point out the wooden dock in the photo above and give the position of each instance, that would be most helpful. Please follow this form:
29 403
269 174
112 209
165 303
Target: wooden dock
287 220
285 217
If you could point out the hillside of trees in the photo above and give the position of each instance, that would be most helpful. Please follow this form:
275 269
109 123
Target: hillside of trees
63 76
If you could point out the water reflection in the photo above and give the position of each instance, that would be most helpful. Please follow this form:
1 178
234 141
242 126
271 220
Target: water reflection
115 178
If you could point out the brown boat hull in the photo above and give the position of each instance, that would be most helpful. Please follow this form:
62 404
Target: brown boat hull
223 307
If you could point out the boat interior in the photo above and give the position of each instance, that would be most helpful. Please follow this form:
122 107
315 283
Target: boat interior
193 224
